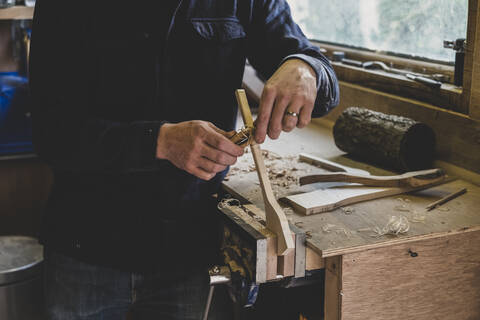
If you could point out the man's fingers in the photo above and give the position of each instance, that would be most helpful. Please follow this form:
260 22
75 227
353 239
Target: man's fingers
264 113
275 125
222 143
290 121
305 115
202 174
218 156
210 166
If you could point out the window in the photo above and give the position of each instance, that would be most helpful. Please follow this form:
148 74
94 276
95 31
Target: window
414 28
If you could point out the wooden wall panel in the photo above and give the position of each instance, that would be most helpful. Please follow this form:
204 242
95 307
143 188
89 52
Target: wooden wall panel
441 282
24 189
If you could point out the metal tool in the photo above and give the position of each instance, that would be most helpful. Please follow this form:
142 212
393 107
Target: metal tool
243 137
218 276
410 75
459 46
426 81
431 80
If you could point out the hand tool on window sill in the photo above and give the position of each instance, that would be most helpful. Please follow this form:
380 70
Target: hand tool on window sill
430 80
459 46
276 219
410 179
422 78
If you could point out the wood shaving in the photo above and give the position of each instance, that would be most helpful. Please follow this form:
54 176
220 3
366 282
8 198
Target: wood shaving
283 172
395 226
348 210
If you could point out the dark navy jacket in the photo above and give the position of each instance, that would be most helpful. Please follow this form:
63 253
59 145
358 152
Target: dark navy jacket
106 75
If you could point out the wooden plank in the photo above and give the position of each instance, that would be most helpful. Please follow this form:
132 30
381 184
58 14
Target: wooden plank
354 232
326 200
17 13
313 260
423 280
275 217
333 288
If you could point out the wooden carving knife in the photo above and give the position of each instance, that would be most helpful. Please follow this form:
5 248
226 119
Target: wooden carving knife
276 220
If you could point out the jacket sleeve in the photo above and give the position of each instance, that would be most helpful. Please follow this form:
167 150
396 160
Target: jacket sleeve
67 133
273 38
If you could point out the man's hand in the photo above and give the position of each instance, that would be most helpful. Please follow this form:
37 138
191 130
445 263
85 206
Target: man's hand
292 89
197 147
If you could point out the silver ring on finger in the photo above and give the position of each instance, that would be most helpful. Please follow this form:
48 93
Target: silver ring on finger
292 114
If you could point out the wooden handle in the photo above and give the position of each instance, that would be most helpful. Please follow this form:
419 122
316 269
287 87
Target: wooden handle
244 107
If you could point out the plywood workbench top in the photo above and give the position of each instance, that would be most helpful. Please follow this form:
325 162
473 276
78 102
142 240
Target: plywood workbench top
346 231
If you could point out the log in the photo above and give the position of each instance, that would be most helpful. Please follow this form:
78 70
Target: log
390 141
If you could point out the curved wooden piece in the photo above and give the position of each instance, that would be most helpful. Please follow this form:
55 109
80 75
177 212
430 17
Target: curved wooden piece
409 179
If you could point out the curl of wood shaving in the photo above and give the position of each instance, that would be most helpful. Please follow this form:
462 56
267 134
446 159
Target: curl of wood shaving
395 226
228 202
348 210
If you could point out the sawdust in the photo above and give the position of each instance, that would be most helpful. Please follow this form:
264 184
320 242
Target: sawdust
415 216
348 210
328 228
284 172
396 225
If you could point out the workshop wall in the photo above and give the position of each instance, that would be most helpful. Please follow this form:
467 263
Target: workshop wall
24 188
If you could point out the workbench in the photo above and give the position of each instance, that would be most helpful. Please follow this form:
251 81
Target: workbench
430 272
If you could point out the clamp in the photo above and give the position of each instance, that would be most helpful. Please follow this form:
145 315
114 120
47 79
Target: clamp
459 46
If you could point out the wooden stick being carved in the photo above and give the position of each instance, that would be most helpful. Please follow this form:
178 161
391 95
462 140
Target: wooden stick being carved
277 222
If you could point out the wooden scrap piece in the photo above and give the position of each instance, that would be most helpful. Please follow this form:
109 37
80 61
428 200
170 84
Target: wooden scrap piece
320 201
275 217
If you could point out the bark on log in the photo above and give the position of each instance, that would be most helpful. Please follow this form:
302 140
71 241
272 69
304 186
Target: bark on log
387 140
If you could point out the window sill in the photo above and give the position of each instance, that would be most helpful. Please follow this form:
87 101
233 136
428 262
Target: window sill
447 96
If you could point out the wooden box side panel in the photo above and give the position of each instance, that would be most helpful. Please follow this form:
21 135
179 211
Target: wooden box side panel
424 280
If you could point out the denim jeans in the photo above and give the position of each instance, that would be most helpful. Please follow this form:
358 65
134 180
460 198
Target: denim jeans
76 290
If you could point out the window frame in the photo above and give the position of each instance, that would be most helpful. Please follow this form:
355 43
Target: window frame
464 100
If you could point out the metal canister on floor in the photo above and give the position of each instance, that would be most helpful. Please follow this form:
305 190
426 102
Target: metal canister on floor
21 291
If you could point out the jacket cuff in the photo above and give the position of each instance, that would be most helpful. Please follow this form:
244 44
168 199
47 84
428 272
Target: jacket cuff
327 88
144 149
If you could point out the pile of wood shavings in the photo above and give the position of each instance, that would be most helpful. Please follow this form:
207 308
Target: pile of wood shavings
283 172
395 226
